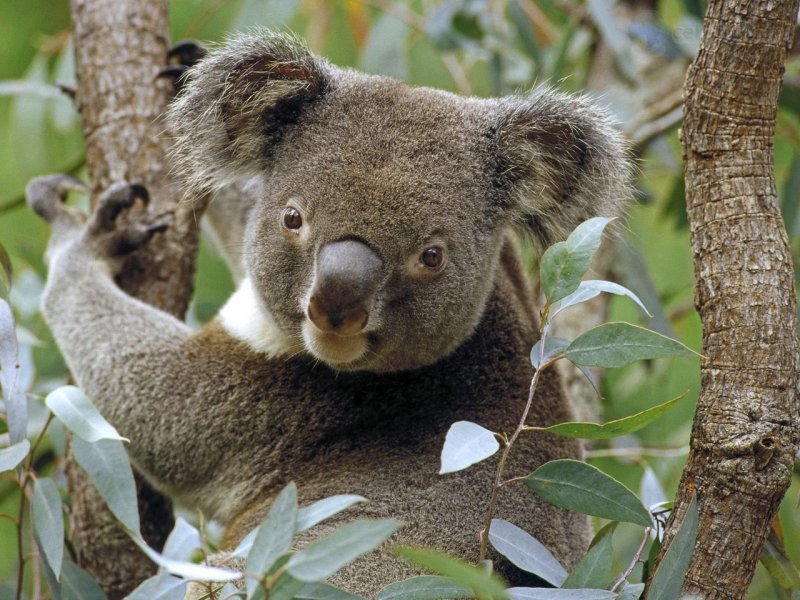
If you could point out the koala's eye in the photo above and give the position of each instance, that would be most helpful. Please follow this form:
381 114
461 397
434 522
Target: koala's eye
432 257
291 218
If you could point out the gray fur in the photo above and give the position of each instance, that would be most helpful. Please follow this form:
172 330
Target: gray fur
221 425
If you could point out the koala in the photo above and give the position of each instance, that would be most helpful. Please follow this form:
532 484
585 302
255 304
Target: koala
382 297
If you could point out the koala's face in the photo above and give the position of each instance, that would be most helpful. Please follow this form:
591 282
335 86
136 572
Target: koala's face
376 239
378 234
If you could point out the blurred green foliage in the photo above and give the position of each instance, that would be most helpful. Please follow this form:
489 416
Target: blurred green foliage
632 54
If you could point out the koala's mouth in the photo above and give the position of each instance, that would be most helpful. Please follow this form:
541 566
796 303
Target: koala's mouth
338 351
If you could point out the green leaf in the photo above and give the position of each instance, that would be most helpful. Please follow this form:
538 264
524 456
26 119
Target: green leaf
425 587
483 584
48 522
107 466
521 593
384 51
6 273
182 568
161 586
667 580
577 486
74 409
650 490
553 346
14 394
182 542
323 591
619 344
631 591
13 455
274 536
564 264
77 584
525 551
308 516
790 198
592 288
594 569
327 555
612 429
466 444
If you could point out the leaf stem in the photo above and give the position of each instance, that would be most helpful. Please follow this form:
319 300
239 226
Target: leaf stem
621 579
498 480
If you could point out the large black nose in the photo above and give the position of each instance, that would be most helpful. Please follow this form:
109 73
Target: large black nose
347 276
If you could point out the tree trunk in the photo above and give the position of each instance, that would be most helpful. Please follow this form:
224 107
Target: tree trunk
120 48
745 430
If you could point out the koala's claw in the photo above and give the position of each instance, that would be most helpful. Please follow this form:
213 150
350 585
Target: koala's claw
180 58
46 196
124 238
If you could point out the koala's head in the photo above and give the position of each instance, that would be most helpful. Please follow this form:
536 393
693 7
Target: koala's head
383 207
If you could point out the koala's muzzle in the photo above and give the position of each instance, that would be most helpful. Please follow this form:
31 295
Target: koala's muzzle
347 276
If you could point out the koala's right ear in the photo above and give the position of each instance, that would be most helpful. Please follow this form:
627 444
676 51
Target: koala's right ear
237 105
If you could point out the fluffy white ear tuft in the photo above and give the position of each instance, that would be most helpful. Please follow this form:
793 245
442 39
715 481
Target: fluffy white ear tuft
565 162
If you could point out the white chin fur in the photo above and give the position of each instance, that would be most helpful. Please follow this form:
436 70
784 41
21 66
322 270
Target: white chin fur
245 318
335 350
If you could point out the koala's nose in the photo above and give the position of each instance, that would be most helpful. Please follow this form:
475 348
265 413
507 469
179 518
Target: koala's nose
347 276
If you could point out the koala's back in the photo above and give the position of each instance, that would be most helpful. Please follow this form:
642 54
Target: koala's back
380 436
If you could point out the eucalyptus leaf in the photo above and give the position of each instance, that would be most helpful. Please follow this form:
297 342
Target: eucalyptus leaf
6 272
522 593
311 515
384 51
612 429
274 536
160 587
323 591
466 444
553 346
74 409
594 569
483 584
577 486
182 568
48 522
618 344
14 392
650 490
526 552
13 455
182 541
564 264
107 466
667 580
77 584
631 591
592 288
325 556
425 587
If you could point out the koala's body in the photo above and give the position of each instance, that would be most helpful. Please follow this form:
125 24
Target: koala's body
382 298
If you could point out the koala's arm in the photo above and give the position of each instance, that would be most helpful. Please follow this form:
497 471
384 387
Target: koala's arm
102 332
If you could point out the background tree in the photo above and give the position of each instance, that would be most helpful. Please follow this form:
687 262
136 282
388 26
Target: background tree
745 433
634 53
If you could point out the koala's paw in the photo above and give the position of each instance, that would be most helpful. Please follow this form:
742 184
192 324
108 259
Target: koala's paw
180 58
46 196
119 237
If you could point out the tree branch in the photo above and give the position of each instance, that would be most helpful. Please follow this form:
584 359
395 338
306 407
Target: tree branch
120 49
745 430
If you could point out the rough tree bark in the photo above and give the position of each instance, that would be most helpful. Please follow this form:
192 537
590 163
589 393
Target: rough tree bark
120 48
745 430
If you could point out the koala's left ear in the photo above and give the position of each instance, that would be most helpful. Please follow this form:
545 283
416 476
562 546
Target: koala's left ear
237 105
563 162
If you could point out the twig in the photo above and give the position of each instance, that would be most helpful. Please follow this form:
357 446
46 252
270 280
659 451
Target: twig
498 482
621 579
